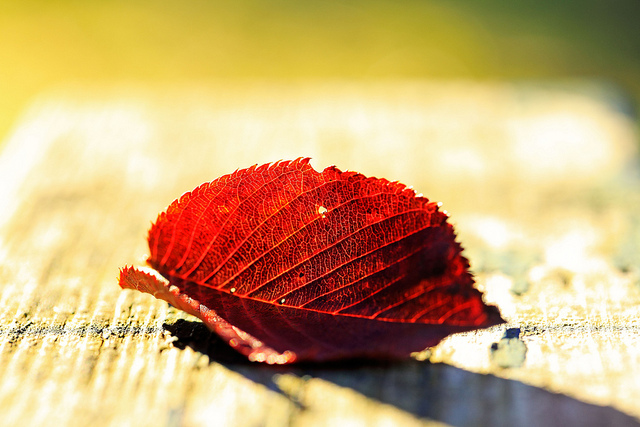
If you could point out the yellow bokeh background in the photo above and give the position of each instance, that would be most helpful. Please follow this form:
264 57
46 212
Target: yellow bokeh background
44 44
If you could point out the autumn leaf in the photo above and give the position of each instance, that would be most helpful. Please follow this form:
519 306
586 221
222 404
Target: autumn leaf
289 264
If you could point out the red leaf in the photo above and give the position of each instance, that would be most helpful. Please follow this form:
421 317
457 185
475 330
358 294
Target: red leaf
288 264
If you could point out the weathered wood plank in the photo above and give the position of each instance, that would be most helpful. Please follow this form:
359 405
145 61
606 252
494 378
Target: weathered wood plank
543 199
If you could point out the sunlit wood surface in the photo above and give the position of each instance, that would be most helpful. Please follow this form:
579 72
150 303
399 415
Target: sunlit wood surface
541 182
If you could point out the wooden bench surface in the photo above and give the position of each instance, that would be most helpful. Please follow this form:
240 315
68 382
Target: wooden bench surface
541 182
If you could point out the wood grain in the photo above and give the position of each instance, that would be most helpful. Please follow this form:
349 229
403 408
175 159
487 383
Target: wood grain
541 183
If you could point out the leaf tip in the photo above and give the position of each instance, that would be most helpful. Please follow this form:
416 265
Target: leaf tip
141 279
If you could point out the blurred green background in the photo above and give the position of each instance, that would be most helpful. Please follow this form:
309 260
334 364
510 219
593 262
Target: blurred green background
44 44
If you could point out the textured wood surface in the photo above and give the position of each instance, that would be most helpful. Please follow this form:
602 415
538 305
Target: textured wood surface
542 183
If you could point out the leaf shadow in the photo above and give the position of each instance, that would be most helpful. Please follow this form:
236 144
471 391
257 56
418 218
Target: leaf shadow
436 392
196 335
